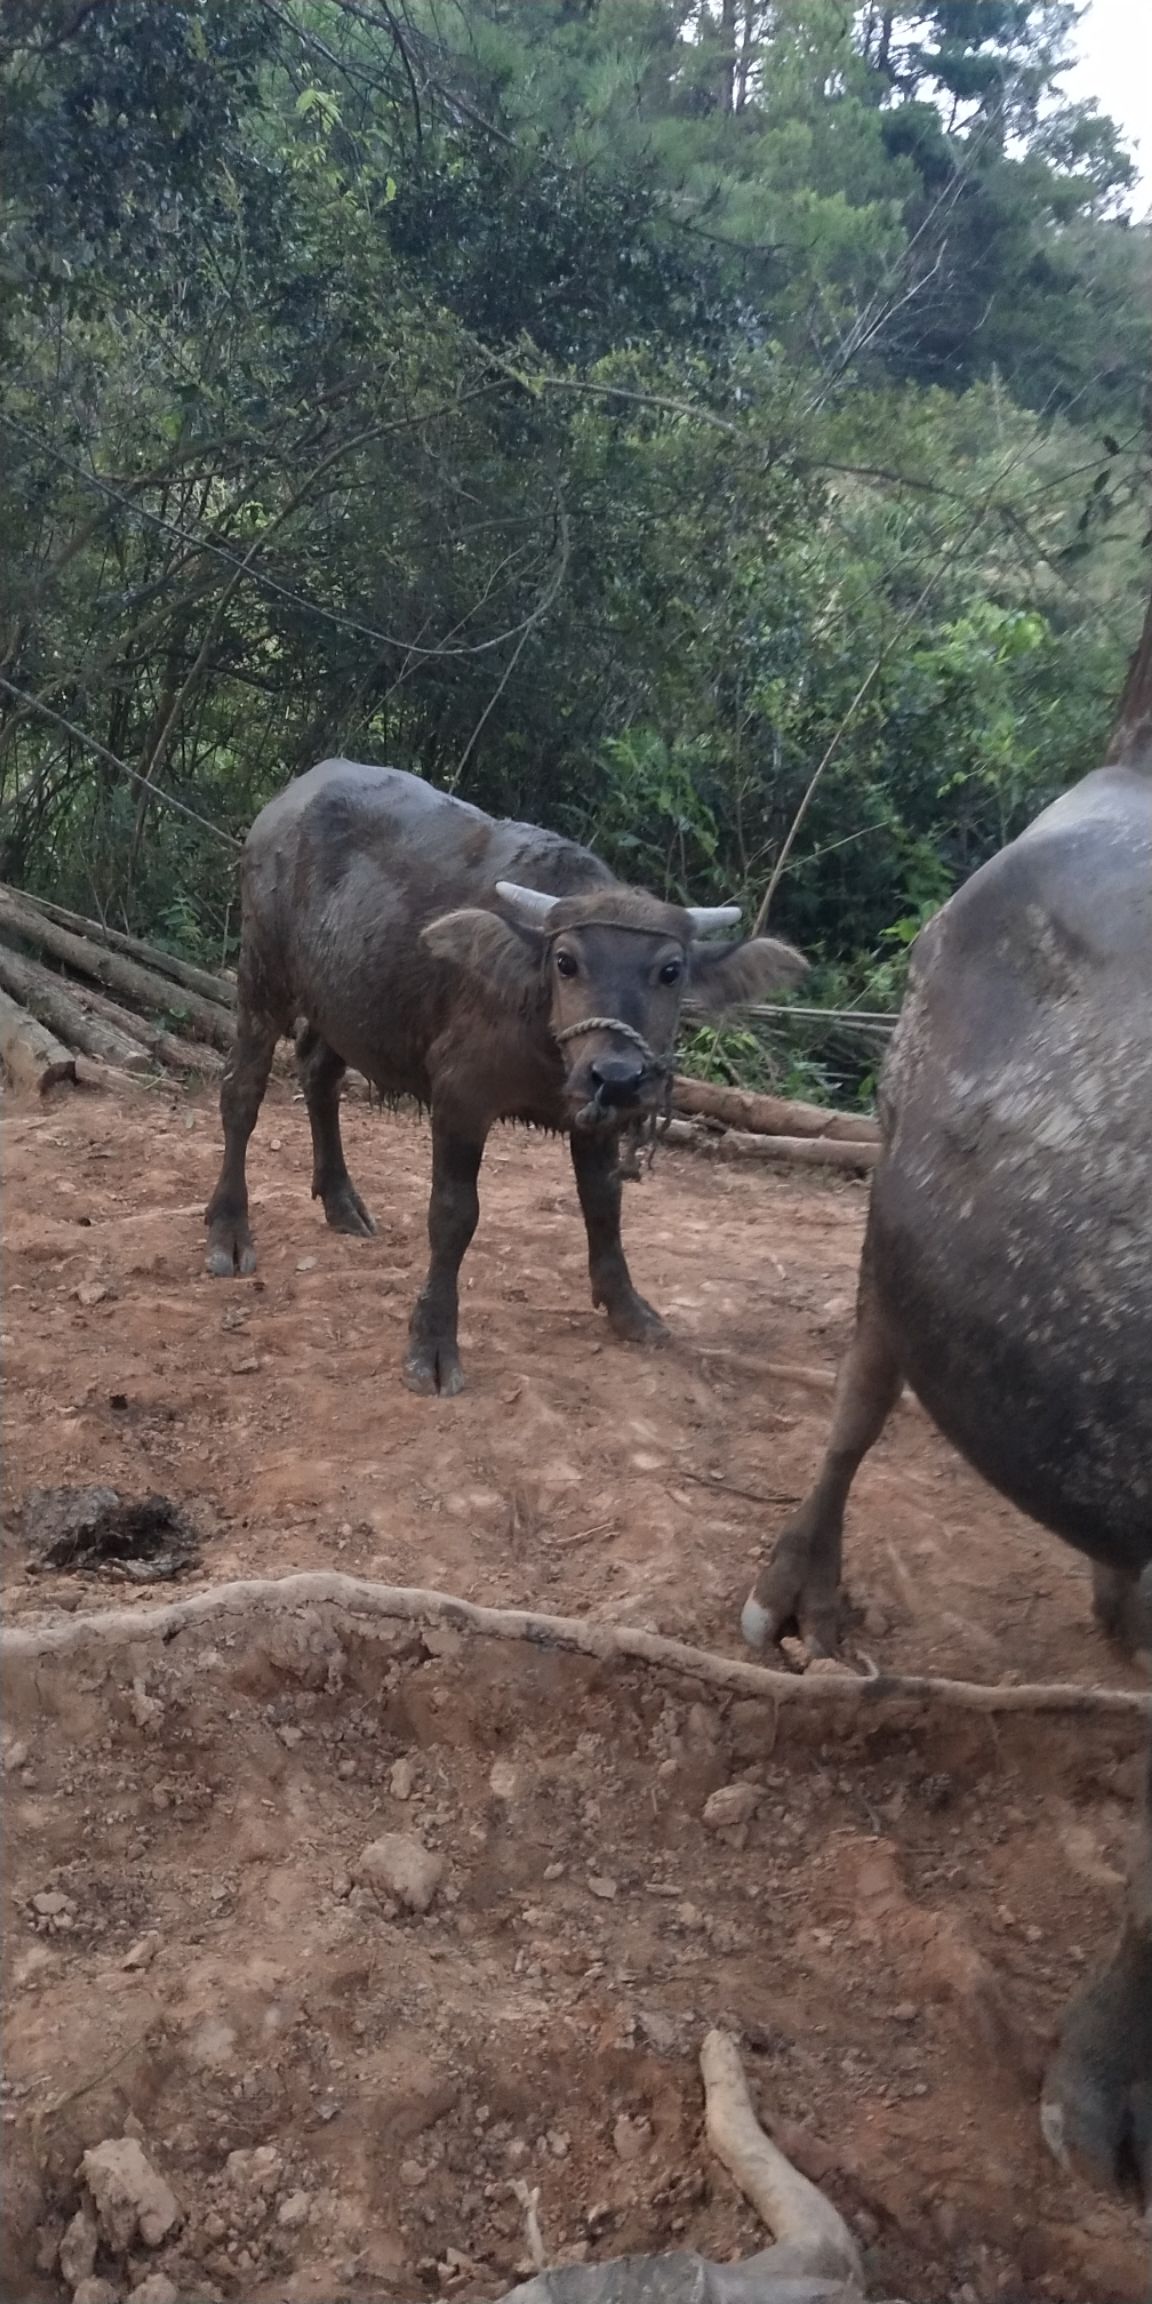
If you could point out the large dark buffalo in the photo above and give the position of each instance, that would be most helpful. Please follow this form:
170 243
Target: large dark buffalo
1007 1277
493 970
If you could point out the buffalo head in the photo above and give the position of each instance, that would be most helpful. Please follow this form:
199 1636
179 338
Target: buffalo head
611 969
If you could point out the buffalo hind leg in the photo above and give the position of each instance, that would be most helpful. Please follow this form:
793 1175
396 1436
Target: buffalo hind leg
595 1160
1097 2100
800 1584
231 1253
321 1072
433 1359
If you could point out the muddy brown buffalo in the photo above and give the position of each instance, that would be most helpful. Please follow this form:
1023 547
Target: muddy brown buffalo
490 969
1007 1278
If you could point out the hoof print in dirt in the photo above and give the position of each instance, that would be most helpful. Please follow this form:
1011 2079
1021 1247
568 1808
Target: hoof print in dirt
99 1531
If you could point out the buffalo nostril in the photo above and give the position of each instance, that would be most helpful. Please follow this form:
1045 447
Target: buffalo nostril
616 1078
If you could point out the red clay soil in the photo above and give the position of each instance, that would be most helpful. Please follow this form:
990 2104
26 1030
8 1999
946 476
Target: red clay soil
893 1929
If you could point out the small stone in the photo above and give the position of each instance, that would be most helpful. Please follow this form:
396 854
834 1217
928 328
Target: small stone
130 2196
630 2137
732 1805
403 1868
294 2211
156 2289
502 1780
143 1952
78 2247
92 2291
516 2152
559 2144
15 1755
412 2174
689 1915
905 2012
603 1887
258 2170
305 1263
659 2031
50 1904
214 2226
401 1778
290 1736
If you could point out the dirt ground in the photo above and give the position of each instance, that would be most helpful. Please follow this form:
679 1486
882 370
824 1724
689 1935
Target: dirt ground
893 1930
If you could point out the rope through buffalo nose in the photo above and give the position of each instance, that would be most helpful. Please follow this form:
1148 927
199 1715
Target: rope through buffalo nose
626 1032
637 1161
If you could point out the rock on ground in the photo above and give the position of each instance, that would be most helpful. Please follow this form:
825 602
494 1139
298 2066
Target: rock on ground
397 1866
130 2197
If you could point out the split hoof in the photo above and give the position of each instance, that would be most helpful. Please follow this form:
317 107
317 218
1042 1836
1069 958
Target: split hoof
1096 2105
433 1374
344 1211
637 1323
231 1251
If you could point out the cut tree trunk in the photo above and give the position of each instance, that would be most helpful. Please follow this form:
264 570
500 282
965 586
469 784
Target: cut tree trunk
167 1047
798 1151
31 1056
771 1115
54 1005
141 987
200 980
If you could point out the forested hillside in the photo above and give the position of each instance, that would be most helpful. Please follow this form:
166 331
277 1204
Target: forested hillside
616 410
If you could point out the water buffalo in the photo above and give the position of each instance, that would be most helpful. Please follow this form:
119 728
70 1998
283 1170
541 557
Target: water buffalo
1007 1277
491 969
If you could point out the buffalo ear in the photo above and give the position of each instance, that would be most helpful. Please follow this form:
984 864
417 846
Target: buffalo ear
481 945
735 975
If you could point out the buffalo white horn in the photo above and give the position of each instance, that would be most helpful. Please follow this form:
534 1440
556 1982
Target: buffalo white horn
705 917
533 907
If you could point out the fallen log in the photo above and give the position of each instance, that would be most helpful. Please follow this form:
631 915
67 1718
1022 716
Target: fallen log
201 980
310 1589
797 1151
771 1115
166 1047
141 987
53 1005
31 1055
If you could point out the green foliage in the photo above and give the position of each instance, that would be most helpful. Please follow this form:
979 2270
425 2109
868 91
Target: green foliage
607 408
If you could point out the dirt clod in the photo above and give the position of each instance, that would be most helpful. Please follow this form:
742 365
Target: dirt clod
130 2197
96 2291
400 1867
78 2247
156 2288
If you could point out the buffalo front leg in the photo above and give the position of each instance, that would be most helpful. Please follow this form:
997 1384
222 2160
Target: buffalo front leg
230 1248
1096 2111
321 1072
595 1158
433 1360
799 1586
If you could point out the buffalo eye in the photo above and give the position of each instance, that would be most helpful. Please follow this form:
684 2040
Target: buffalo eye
566 964
672 971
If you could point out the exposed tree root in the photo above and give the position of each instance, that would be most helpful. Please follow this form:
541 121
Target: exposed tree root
794 2210
360 1596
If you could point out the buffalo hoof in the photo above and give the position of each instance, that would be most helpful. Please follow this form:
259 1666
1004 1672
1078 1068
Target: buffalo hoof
797 1592
1096 2109
635 1322
231 1250
433 1372
344 1211
1122 1606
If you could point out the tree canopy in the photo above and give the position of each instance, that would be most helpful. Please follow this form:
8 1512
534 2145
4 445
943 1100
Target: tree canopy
618 411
